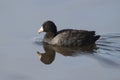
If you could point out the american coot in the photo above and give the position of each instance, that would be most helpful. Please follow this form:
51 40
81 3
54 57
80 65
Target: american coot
67 37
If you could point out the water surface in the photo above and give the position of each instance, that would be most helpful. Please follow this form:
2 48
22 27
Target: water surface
19 42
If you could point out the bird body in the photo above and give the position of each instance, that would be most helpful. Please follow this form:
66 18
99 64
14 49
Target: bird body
67 37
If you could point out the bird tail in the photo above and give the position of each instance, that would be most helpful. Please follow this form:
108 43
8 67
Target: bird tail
97 37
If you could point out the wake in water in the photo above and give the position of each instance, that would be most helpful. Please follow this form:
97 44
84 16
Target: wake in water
106 50
109 49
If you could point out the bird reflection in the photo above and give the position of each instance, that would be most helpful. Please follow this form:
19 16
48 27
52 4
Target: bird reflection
106 52
50 51
47 57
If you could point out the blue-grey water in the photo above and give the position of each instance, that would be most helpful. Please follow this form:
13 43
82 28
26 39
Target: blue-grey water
19 41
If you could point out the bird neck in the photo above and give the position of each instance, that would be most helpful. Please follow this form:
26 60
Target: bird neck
49 36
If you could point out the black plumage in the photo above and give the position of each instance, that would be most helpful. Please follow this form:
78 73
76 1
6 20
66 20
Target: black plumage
67 37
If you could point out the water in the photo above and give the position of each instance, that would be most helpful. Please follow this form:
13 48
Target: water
19 41
106 49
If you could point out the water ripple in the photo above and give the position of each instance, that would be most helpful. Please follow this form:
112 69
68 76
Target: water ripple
109 49
106 50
